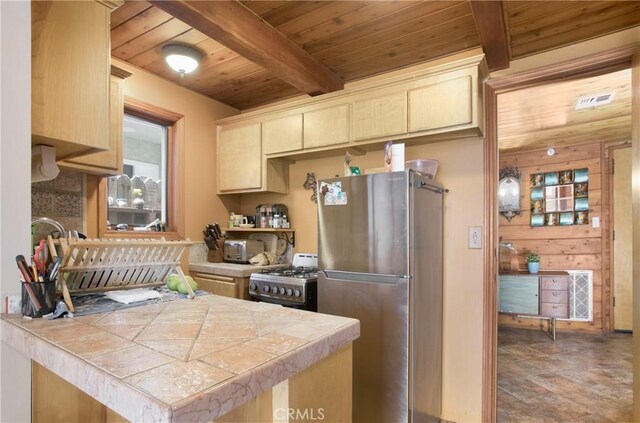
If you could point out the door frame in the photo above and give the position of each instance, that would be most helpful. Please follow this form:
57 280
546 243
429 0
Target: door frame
591 65
609 155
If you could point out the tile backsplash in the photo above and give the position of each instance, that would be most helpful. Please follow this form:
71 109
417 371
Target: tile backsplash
61 199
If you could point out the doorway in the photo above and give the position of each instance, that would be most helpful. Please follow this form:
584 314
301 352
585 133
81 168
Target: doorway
593 65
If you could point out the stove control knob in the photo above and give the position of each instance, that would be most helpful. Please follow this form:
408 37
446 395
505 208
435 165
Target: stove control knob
282 291
265 289
296 293
289 291
252 287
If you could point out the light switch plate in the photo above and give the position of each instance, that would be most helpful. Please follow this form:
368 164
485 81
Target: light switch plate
475 237
595 222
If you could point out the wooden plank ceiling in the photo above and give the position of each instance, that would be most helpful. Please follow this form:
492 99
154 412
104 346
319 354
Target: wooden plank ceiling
349 39
545 116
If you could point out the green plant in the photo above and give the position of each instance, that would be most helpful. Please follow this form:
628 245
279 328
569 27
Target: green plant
532 257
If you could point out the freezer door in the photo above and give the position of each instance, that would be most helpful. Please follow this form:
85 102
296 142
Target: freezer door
368 234
380 354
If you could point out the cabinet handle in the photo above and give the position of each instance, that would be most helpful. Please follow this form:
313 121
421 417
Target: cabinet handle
555 280
555 306
556 293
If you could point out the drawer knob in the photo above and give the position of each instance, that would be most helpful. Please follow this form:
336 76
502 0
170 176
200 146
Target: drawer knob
555 306
555 293
555 280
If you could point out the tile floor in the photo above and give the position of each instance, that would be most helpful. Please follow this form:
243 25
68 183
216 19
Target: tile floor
578 378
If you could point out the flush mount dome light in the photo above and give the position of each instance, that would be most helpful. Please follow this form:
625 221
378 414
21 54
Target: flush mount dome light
181 58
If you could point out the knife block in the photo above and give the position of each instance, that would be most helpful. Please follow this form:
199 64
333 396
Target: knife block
215 256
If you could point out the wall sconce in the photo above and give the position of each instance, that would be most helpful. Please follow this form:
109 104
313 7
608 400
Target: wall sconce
509 192
181 58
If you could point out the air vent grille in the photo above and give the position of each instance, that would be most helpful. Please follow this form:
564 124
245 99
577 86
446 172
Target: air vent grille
591 101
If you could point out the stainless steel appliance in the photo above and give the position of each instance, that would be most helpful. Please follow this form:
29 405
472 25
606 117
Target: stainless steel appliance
380 261
295 286
241 250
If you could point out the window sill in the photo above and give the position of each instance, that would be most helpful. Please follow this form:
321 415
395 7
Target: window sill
169 236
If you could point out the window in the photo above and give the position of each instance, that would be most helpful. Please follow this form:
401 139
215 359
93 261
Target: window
137 198
147 192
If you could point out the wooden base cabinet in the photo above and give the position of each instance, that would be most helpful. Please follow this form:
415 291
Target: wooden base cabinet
222 285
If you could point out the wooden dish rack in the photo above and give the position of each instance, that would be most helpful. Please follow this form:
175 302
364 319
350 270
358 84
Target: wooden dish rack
102 265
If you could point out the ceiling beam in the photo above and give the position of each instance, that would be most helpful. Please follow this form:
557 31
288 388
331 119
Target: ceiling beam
238 28
489 18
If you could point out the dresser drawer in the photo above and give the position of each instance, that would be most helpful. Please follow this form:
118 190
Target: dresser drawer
556 283
554 310
555 297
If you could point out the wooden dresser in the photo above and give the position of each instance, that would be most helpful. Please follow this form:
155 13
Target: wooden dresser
544 294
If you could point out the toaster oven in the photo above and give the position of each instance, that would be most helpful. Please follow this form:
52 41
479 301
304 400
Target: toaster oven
241 250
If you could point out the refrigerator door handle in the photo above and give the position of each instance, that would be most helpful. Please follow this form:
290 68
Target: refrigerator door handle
433 188
366 277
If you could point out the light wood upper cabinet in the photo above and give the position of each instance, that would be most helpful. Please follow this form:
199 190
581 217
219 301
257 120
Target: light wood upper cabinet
429 102
282 134
239 158
380 116
327 126
70 52
440 105
242 166
106 162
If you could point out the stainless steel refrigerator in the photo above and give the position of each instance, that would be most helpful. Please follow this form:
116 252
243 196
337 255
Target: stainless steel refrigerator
380 261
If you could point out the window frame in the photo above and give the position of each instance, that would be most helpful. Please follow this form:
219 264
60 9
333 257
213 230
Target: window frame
175 174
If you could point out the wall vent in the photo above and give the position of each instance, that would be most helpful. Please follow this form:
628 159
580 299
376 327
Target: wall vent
581 295
591 101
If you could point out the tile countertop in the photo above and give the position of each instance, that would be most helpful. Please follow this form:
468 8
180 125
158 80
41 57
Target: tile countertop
230 269
189 360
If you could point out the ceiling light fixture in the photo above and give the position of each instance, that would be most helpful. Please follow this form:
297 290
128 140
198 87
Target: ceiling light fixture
181 58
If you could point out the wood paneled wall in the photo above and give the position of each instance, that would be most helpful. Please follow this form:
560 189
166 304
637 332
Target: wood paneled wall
577 247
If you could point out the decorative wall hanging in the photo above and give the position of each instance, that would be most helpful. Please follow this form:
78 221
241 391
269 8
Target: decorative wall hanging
312 184
560 198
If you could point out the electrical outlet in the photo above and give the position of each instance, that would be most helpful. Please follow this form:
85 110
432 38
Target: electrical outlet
595 222
475 237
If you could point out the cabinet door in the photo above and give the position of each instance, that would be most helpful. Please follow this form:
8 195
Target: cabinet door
239 157
440 105
282 135
106 162
70 76
519 294
218 285
380 116
326 126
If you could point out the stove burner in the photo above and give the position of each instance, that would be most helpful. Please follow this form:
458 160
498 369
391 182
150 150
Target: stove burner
294 272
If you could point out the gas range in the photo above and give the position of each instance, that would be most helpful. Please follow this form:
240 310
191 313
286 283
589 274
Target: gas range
295 286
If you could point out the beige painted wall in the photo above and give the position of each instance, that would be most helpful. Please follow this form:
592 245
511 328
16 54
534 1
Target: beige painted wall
202 205
461 171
